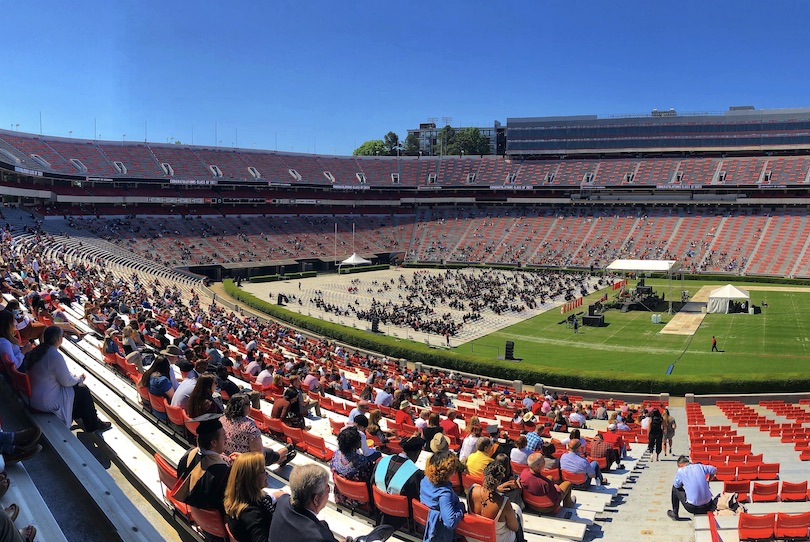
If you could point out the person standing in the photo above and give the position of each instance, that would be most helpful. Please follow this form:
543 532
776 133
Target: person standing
669 431
714 344
655 433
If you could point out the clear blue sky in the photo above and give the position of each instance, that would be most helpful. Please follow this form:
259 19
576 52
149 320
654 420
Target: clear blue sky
327 75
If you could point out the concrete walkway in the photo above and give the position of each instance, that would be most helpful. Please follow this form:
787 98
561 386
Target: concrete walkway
640 510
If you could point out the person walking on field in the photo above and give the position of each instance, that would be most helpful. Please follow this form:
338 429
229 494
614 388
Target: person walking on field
714 344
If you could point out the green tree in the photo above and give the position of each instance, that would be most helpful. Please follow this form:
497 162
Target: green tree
391 141
373 147
412 144
444 143
469 141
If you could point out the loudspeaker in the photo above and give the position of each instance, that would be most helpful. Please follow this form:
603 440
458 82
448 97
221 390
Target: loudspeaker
509 352
375 325
591 310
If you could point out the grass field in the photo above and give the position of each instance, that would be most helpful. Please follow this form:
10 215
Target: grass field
775 343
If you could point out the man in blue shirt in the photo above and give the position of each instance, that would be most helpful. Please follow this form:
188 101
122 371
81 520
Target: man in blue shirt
691 489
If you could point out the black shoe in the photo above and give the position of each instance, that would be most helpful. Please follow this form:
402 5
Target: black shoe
291 453
380 533
672 515
102 427
620 466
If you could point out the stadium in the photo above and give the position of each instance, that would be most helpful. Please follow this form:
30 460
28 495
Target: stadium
594 254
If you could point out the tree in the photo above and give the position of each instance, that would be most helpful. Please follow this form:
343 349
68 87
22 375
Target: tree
373 147
391 141
447 136
412 144
469 141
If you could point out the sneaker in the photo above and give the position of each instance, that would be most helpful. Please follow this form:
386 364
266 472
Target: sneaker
102 427
27 437
672 516
620 466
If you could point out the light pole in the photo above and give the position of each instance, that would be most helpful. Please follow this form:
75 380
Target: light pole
70 134
18 126
123 138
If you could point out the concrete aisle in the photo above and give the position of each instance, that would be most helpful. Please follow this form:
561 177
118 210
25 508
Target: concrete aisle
641 514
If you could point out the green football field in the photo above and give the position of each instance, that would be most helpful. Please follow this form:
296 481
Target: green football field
775 343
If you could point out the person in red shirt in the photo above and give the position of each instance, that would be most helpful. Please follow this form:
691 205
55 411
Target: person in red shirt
450 427
404 414
533 482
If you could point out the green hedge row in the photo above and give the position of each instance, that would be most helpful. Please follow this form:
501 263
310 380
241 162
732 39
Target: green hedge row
557 375
286 276
364 269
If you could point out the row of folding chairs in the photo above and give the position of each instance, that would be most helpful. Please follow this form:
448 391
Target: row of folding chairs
770 526
767 492
723 458
763 471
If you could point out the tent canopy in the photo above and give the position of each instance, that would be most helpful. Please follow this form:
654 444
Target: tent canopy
719 299
354 259
643 266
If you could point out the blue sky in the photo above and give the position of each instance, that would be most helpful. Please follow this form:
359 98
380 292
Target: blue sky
320 76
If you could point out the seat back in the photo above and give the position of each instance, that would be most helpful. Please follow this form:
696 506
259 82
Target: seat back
517 468
765 492
231 538
210 521
392 505
576 479
168 478
157 402
317 446
468 479
294 436
21 383
473 526
275 426
792 525
336 426
794 491
420 512
756 526
540 502
177 415
741 487
768 471
357 491
143 391
552 474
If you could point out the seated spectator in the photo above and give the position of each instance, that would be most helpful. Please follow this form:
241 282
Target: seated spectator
481 457
276 387
201 400
575 435
183 391
536 484
432 429
9 345
520 453
28 328
265 376
421 421
474 432
350 463
374 429
436 492
248 510
384 397
313 382
534 439
156 380
287 410
361 423
573 462
305 403
55 389
242 435
599 448
399 475
486 500
361 408
203 471
225 384
172 354
549 461
449 426
405 414
601 412
690 488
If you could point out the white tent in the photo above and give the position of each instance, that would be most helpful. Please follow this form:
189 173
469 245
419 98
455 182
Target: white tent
354 259
719 299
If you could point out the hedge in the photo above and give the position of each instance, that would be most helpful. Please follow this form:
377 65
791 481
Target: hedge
364 269
558 376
